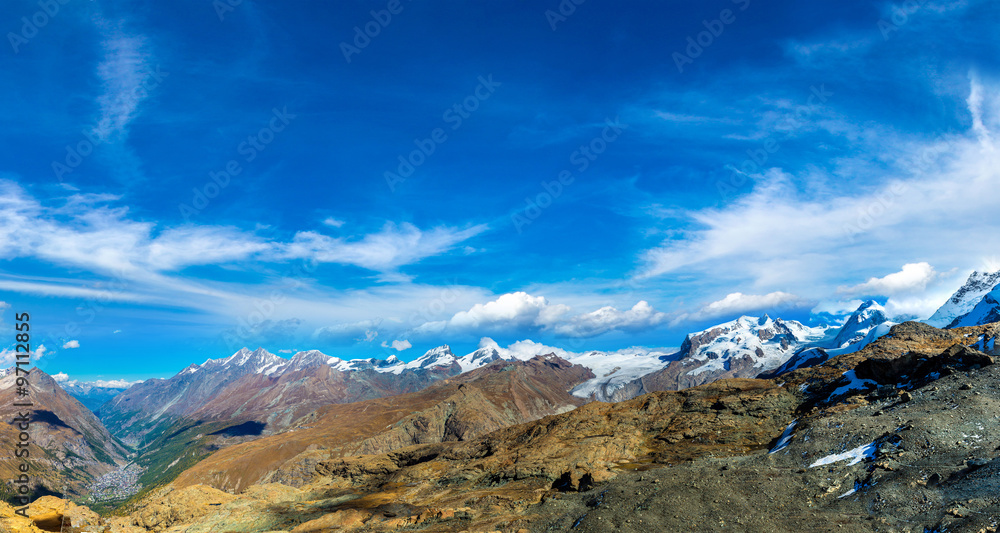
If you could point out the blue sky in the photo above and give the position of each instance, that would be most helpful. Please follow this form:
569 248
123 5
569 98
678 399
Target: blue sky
178 182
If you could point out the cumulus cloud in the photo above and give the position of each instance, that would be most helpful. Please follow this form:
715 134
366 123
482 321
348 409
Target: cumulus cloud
641 316
914 277
71 344
520 311
737 303
8 357
397 345
61 377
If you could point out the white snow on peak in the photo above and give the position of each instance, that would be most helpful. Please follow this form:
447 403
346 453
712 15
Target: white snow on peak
867 317
767 342
256 362
965 298
612 370
987 310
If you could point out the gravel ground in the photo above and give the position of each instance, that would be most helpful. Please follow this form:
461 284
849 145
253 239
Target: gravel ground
928 464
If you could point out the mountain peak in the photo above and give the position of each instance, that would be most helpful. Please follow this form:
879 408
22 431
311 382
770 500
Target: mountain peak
965 299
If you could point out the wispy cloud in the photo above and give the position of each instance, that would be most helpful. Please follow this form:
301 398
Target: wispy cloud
123 71
786 233
394 246
975 103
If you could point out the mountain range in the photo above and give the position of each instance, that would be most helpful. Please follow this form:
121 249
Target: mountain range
201 425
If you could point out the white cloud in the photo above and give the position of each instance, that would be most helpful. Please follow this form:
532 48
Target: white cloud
929 199
394 246
837 308
914 277
89 232
397 345
737 303
975 104
8 357
913 307
520 311
112 384
641 316
71 344
61 377
333 222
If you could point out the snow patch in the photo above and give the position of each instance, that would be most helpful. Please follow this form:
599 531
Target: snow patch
855 456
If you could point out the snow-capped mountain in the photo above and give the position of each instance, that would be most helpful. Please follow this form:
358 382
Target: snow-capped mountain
259 361
612 370
965 298
985 312
765 342
866 318
741 348
867 323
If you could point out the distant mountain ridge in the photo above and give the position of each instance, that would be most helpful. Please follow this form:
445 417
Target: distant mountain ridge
144 410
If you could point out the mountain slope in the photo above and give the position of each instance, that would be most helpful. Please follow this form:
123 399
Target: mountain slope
707 447
70 447
965 298
90 395
145 409
985 312
742 348
463 407
863 327
311 380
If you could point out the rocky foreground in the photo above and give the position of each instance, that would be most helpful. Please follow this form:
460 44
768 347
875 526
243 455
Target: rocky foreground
902 436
